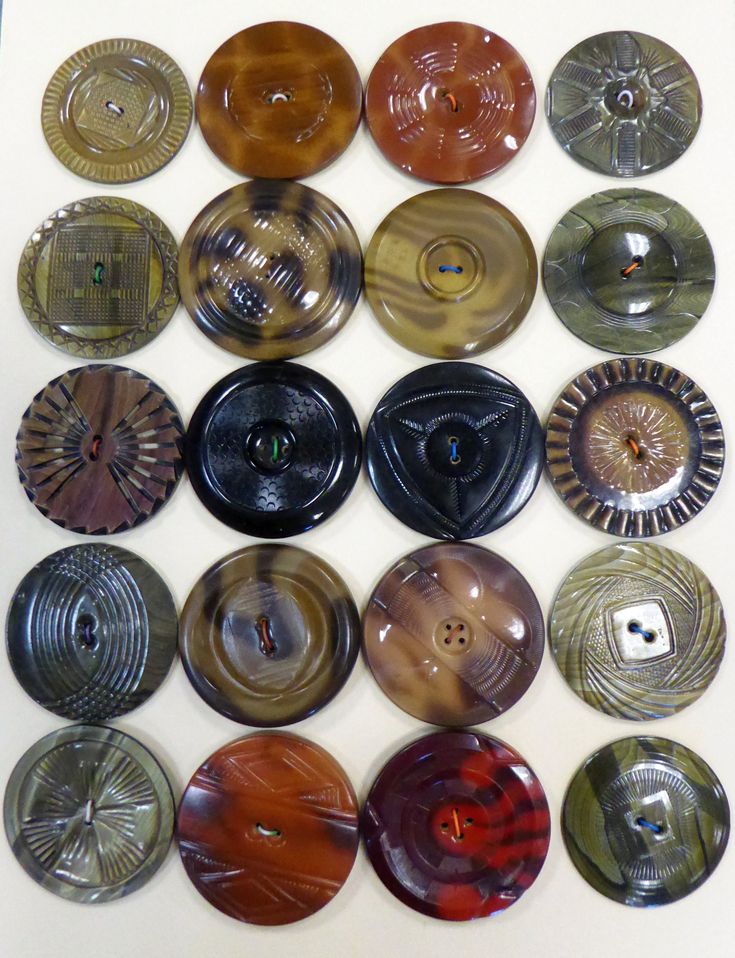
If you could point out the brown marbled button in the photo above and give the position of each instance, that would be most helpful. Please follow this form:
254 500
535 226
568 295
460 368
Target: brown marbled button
268 829
279 100
453 634
99 449
450 102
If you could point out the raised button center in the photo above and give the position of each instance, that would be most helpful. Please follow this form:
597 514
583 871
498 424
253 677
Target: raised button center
453 636
451 267
270 446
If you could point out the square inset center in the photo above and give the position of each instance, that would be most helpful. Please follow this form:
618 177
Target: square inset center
641 633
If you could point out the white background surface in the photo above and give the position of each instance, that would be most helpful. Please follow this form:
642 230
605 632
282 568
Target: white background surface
560 915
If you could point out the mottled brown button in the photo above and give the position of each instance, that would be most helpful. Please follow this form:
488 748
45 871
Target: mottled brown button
99 449
279 99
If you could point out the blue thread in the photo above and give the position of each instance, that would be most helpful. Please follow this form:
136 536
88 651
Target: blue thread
637 629
446 268
644 823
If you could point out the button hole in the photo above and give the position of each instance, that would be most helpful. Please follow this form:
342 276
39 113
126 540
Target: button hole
89 811
267 832
94 452
114 108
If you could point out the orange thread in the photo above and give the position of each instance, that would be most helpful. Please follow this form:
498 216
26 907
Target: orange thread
265 638
455 819
629 269
634 446
453 100
96 446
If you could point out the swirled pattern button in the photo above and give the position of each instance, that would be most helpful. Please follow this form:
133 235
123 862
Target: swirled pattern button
623 103
450 102
456 825
89 813
637 631
270 270
99 449
268 829
629 271
645 821
634 447
453 634
279 99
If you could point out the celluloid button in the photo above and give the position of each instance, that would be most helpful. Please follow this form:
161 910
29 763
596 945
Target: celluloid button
623 103
117 111
279 99
91 632
269 635
450 273
98 278
268 829
89 813
99 449
645 821
454 450
456 825
634 447
450 102
273 449
629 271
453 634
637 631
270 270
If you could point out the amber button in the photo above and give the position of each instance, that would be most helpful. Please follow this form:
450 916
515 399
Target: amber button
279 99
450 102
99 449
453 634
116 111
456 825
268 829
634 447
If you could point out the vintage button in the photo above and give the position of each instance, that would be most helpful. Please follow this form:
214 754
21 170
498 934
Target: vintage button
91 632
453 634
270 270
637 631
456 825
98 277
89 813
99 449
450 102
450 273
645 821
623 103
268 828
634 447
273 449
279 99
454 450
629 271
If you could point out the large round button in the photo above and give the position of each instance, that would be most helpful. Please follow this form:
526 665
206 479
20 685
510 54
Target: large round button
450 102
637 631
279 99
268 829
629 271
116 111
98 278
450 273
623 103
634 447
99 449
645 821
454 450
273 449
270 269
89 813
453 634
456 825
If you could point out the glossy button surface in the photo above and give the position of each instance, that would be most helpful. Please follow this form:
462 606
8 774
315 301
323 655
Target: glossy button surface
273 449
98 278
279 99
456 825
645 821
623 103
453 634
99 449
89 813
268 829
634 447
629 271
450 102
270 269
454 450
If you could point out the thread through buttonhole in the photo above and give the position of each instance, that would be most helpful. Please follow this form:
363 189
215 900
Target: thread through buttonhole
651 826
454 456
452 99
267 832
89 810
635 628
278 97
96 447
448 268
635 263
265 639
114 108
